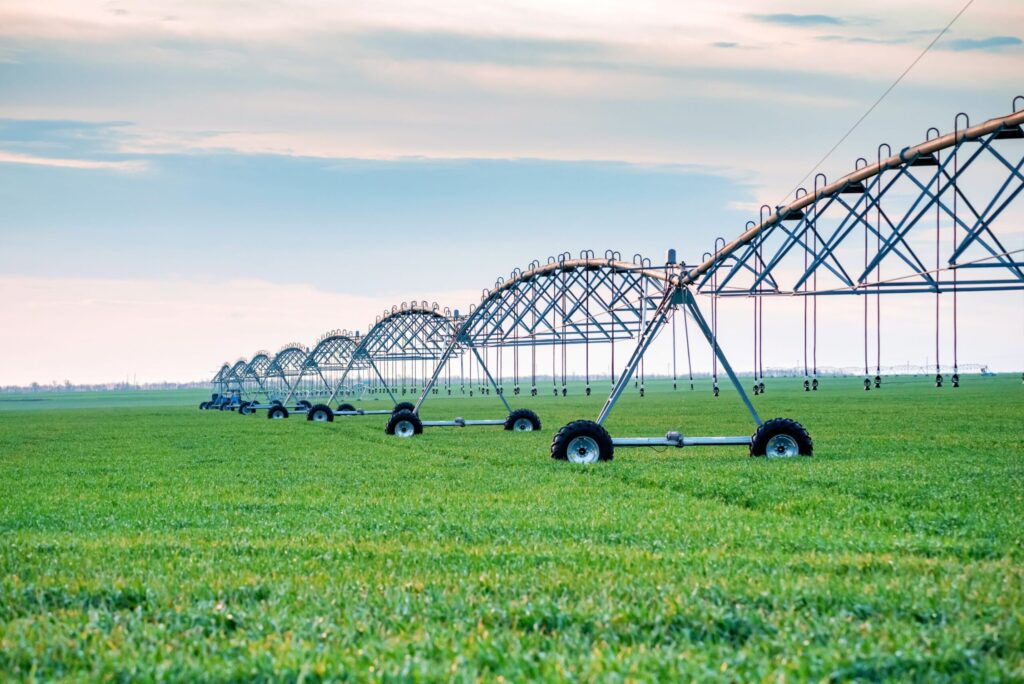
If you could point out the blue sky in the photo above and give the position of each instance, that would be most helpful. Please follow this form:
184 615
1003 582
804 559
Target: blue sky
183 213
366 153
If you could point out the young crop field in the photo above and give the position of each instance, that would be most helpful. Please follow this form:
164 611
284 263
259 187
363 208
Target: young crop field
146 539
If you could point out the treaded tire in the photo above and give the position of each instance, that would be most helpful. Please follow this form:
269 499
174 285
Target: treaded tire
598 436
346 407
321 413
204 405
521 414
277 412
304 403
400 424
276 402
245 408
784 427
404 406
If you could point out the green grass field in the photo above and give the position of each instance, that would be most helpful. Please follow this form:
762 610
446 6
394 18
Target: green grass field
150 540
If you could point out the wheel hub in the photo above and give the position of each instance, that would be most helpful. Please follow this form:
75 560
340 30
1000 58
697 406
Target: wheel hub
583 450
405 429
523 425
782 446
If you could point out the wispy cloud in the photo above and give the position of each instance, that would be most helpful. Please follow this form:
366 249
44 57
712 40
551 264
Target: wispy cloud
800 20
863 40
990 44
724 44
476 48
62 137
131 166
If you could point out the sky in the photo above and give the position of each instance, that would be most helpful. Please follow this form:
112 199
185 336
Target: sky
185 182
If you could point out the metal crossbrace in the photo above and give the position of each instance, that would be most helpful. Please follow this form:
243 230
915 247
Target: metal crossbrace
413 335
331 354
254 377
220 378
964 182
566 301
234 378
673 297
575 302
284 370
409 333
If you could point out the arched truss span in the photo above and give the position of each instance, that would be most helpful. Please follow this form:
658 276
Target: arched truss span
254 374
233 378
283 369
288 358
933 218
567 301
220 378
332 351
327 363
409 332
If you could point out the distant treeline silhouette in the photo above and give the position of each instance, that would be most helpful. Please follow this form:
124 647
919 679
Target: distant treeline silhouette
68 386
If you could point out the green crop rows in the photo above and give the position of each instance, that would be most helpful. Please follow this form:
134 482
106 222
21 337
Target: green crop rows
152 540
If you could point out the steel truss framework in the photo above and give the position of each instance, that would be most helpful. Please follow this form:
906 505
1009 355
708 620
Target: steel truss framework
331 355
409 333
219 381
283 371
227 385
799 229
254 377
566 301
233 379
867 232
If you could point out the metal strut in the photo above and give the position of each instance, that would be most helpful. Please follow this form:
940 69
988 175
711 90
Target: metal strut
449 351
674 296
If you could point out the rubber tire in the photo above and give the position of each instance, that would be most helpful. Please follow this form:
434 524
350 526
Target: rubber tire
781 426
317 408
510 422
303 403
204 405
346 407
404 406
581 428
276 402
396 418
277 410
245 408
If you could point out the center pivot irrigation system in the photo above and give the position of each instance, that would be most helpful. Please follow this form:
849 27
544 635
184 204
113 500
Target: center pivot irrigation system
563 303
927 220
400 349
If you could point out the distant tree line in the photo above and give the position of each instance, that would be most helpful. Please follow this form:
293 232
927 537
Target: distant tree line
123 386
773 372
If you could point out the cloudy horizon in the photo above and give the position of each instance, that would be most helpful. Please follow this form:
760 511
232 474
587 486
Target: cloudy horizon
186 182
